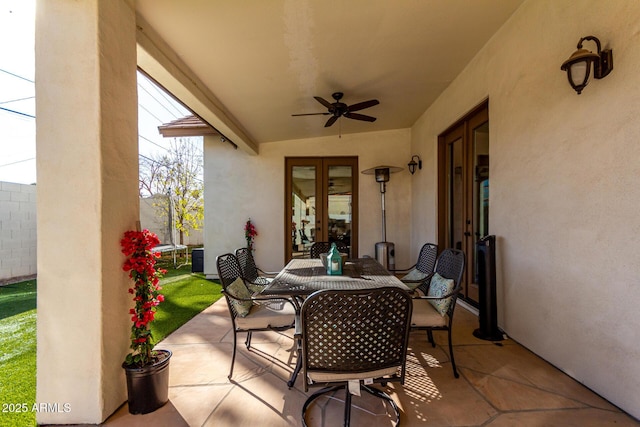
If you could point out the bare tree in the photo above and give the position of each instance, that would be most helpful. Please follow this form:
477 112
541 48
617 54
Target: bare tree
177 174
152 175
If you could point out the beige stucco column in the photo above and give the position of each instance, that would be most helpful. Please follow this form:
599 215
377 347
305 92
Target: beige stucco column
87 160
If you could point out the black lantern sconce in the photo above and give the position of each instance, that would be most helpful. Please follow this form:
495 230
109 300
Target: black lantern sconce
578 66
412 164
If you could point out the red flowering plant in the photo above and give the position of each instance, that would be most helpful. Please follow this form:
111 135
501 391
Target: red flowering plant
250 233
140 263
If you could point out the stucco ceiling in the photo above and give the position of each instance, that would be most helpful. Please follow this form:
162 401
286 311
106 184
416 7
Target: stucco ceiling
266 59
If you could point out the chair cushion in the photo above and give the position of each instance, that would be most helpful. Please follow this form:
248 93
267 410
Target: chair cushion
425 315
239 290
321 377
265 314
439 287
414 278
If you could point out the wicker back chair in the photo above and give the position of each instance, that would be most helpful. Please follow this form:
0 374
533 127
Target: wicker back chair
323 247
263 313
422 270
450 265
256 278
351 336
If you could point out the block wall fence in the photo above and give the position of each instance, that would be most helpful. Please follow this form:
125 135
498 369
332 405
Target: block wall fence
18 234
17 231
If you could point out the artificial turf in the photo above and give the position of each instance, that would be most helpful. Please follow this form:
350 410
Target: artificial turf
17 354
186 294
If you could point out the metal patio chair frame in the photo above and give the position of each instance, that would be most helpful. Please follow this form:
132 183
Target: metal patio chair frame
353 338
264 314
450 265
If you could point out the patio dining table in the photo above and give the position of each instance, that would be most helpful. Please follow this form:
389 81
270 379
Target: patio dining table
302 277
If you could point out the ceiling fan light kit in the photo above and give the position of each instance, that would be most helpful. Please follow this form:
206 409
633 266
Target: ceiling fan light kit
339 109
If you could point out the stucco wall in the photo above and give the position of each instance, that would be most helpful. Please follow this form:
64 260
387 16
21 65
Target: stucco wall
17 230
239 186
565 171
87 166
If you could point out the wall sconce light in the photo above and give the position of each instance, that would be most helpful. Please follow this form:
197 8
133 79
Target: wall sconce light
578 66
412 164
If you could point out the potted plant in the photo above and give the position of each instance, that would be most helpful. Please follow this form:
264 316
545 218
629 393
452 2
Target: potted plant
250 233
147 370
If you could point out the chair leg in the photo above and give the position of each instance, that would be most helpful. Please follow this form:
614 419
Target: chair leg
382 395
453 361
347 402
233 356
313 397
430 337
298 367
347 407
248 340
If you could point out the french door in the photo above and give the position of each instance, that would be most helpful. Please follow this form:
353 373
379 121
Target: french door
463 191
321 203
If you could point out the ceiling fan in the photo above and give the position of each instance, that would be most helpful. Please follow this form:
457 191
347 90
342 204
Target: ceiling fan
339 109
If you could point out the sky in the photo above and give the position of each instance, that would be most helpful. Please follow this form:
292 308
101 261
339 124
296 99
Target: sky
17 98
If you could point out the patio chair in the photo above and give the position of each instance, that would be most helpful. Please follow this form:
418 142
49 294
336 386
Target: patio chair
353 338
250 314
422 270
323 247
434 310
255 278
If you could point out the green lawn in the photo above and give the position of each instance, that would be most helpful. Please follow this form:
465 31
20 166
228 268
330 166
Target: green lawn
186 294
17 353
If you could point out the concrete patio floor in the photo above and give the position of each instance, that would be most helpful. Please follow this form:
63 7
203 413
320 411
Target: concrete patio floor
500 384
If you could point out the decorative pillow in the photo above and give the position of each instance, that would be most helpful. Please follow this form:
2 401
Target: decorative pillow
414 278
439 287
239 290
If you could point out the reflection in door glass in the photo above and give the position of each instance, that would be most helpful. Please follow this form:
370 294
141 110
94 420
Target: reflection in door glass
480 189
456 195
481 180
340 194
303 215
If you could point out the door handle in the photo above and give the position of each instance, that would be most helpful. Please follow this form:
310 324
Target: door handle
467 233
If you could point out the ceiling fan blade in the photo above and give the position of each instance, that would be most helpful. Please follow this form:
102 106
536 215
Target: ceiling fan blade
323 102
331 121
363 105
357 116
311 114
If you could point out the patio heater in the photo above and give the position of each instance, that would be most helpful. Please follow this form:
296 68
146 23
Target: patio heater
385 251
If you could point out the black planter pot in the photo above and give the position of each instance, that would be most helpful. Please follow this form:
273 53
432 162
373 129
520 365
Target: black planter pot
148 387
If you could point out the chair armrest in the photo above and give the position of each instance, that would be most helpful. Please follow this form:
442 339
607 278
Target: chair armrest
424 286
230 295
268 273
453 292
402 270
424 280
257 282
274 299
258 297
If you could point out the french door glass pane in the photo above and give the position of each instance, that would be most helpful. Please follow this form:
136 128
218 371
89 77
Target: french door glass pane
340 198
480 188
303 215
481 180
456 194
